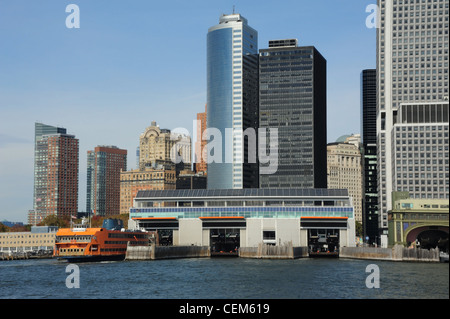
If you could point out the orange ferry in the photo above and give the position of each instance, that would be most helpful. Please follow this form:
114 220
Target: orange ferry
78 244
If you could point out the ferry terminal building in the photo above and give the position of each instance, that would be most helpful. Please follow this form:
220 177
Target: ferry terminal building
227 219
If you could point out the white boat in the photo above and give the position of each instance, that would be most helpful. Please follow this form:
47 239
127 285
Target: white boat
443 257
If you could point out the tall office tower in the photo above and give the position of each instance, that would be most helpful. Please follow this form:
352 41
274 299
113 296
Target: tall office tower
40 171
420 150
232 102
104 165
56 172
200 144
292 98
157 146
344 172
412 70
369 153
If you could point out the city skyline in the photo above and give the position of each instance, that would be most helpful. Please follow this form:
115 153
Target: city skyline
106 75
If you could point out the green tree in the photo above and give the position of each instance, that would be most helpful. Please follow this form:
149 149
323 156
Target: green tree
21 228
3 228
359 229
53 220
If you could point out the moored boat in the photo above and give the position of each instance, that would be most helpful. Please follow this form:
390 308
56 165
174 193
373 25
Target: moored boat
443 257
109 242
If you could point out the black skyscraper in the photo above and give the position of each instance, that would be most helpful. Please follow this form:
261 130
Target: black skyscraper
369 144
292 98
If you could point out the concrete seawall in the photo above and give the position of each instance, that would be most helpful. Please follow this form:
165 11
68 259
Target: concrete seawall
273 252
287 251
165 252
397 253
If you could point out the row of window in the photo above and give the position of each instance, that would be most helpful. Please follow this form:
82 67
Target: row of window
26 242
109 242
126 235
422 194
15 235
73 238
321 209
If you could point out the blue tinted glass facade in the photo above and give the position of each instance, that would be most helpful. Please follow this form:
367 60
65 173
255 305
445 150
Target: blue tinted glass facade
220 100
247 212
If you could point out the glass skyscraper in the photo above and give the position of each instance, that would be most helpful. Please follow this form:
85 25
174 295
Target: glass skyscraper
232 102
292 98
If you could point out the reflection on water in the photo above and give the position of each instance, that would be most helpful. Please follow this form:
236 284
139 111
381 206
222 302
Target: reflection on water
225 278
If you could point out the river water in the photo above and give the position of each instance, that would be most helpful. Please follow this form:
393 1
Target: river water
223 278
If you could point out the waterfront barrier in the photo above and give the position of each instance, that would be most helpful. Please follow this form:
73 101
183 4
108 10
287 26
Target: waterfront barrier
154 252
265 251
18 255
13 256
396 253
23 255
424 255
286 251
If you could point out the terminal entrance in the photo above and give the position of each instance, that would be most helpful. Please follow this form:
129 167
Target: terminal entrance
224 235
161 229
323 235
433 238
323 242
165 237
225 241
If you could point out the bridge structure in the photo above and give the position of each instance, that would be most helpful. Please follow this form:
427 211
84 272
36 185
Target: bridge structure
422 223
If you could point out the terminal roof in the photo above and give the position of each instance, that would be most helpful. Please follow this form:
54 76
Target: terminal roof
246 192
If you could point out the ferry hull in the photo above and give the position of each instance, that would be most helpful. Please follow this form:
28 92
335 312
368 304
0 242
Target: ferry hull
90 258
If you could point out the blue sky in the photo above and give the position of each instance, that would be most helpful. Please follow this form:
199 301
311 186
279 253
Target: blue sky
132 62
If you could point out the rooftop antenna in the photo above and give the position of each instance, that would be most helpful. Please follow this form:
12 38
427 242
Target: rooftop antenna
233 9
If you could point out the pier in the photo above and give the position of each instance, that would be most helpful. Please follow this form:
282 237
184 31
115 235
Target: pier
154 252
264 251
396 253
25 255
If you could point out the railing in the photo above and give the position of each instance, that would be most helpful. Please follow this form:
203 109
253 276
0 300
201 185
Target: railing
79 227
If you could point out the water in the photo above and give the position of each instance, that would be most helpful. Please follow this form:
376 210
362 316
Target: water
224 278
